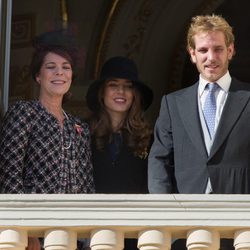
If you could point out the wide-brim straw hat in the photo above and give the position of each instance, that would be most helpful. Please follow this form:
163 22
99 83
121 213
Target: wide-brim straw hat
118 67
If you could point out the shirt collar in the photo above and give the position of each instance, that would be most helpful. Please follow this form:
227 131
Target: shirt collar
224 83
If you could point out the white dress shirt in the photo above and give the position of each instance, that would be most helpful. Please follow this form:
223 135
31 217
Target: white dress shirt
220 96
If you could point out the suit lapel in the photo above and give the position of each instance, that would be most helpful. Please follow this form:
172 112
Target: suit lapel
188 108
236 101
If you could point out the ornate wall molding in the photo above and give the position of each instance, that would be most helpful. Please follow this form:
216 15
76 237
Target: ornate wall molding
141 20
138 24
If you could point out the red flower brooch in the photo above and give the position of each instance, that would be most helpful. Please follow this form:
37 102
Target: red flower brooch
78 128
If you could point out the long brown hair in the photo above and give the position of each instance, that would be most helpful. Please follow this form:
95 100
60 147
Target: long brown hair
136 131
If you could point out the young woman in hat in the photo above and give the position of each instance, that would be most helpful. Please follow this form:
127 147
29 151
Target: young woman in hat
44 149
121 137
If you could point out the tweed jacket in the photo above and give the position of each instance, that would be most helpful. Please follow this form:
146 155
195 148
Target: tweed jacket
37 156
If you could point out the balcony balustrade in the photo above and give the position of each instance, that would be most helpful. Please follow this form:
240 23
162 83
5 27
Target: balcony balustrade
155 220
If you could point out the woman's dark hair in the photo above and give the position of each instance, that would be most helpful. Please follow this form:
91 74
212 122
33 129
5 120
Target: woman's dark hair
136 132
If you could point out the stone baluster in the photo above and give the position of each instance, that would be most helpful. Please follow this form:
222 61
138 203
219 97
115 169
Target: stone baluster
106 239
154 240
13 239
199 239
59 239
242 240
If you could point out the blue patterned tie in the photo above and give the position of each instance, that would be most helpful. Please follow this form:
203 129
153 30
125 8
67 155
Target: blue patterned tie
209 109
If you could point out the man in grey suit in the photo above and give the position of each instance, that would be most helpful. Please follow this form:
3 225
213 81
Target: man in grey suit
193 153
202 134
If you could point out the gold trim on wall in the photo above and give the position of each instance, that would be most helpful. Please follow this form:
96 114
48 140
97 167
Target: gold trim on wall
64 13
104 33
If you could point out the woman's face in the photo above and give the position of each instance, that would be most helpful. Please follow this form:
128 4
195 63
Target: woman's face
55 75
118 96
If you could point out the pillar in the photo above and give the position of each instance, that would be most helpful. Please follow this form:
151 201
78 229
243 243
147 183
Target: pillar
59 239
13 239
242 240
154 240
106 239
199 239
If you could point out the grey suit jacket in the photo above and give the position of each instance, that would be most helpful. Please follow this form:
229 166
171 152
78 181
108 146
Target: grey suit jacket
178 160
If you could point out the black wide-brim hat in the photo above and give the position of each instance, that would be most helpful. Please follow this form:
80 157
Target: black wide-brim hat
118 67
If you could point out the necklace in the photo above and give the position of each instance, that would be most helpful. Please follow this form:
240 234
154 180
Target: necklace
70 141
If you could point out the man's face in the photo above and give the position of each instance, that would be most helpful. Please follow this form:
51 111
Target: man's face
211 55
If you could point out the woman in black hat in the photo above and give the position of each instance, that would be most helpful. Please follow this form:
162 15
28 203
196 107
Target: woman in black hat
120 135
44 149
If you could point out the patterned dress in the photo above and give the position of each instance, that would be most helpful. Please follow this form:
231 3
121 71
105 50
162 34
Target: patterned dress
38 156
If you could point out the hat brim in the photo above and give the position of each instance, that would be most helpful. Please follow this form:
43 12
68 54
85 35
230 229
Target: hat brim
93 90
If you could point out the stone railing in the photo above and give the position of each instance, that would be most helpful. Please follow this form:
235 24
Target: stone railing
155 220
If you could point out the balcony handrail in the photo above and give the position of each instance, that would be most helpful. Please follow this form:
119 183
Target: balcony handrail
159 210
125 215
